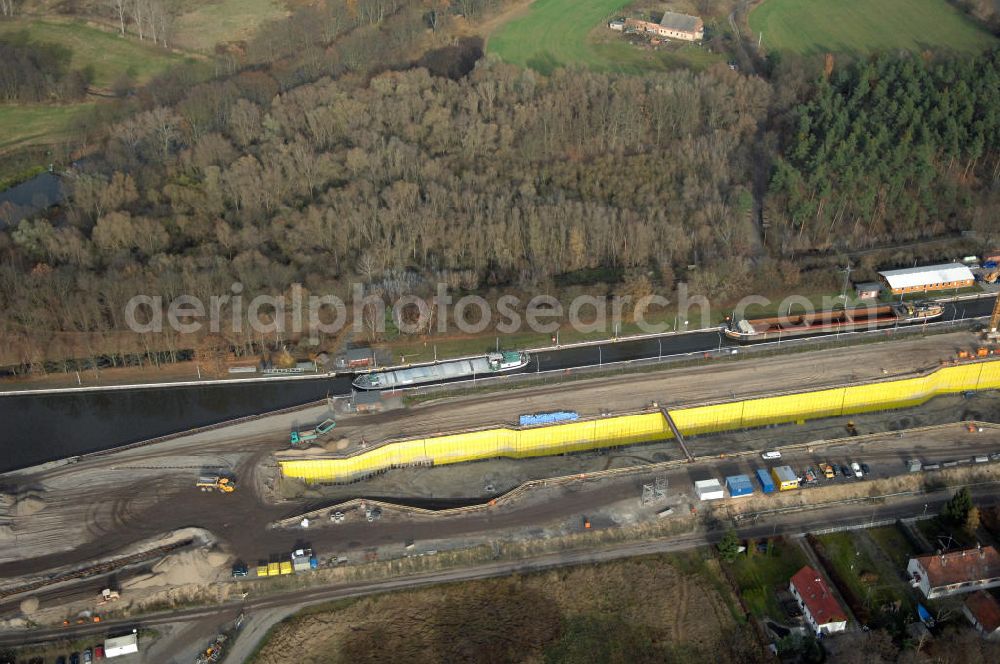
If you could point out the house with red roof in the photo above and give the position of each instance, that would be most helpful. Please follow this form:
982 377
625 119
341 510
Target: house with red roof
983 611
955 572
820 607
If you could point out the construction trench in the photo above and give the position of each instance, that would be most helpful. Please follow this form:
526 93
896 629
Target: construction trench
645 426
532 483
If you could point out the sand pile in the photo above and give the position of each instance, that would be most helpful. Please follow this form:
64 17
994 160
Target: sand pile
197 566
28 504
29 605
336 445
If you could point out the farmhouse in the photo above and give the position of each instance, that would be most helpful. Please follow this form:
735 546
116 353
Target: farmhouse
927 278
983 611
955 572
819 607
671 26
682 26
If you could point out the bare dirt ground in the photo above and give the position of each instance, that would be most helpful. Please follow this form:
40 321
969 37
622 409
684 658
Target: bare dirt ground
558 611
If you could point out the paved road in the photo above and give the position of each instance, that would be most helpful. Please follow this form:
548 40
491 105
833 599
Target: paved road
787 524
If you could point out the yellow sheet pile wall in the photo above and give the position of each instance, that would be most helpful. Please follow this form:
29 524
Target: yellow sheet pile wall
646 427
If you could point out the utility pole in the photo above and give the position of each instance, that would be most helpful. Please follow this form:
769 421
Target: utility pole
847 277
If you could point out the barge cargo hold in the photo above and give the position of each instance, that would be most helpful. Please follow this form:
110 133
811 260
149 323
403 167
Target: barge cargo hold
832 321
474 367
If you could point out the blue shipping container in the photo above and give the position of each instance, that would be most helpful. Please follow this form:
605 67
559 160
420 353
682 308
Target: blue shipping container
548 418
766 483
739 485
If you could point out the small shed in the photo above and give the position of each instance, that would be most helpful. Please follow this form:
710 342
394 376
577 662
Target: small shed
766 483
785 478
121 645
868 290
709 490
358 357
617 24
739 485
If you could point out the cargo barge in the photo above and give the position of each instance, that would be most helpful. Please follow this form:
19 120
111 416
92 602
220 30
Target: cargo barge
473 367
832 321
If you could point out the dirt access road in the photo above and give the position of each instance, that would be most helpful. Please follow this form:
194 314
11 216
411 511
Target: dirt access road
790 524
98 506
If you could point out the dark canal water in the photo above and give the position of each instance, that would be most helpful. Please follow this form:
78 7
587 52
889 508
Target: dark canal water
39 428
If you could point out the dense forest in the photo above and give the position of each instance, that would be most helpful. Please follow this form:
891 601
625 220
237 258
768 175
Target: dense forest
35 71
361 140
892 148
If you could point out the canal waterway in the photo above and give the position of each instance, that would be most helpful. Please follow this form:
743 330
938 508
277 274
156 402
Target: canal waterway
38 428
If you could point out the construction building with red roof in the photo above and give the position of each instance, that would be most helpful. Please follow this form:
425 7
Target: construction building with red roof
820 607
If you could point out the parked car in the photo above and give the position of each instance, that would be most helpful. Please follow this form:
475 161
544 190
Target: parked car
771 454
74 658
61 659
88 656
845 470
239 569
99 652
865 469
856 467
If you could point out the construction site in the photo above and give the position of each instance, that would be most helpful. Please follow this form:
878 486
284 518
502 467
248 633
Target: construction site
324 495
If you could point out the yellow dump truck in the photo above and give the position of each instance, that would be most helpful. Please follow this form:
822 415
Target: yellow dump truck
216 483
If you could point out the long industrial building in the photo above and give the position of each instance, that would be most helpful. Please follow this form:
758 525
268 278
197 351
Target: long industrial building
927 278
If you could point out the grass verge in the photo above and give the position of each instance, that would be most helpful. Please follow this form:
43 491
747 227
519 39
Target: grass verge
223 21
810 27
108 54
761 575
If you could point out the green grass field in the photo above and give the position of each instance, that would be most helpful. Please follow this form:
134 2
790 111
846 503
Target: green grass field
226 20
109 54
37 124
760 575
567 33
862 26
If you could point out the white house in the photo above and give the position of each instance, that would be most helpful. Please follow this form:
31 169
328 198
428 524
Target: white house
955 572
819 606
